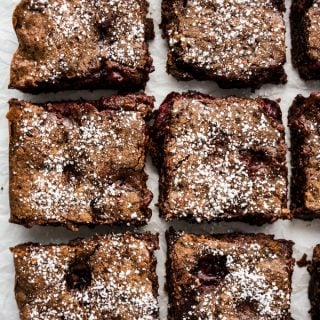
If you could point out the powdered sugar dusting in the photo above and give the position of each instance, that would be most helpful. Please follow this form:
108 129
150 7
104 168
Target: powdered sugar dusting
79 167
121 281
232 38
305 126
216 157
80 36
313 27
256 284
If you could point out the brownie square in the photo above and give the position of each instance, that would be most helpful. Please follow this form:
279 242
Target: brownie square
228 276
304 122
103 277
220 159
81 44
236 43
305 29
314 285
79 162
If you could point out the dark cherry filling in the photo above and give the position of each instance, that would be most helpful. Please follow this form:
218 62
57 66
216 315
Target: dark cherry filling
71 172
96 208
104 29
279 4
255 159
211 269
79 276
247 308
271 108
37 6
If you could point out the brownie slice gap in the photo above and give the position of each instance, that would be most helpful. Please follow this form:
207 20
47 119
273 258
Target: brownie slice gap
314 285
228 276
81 44
220 159
235 43
305 29
103 277
304 122
80 162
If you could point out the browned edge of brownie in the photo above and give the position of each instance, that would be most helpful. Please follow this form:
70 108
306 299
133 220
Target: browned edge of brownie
176 308
79 274
184 72
299 153
308 68
160 130
110 75
139 102
132 102
314 284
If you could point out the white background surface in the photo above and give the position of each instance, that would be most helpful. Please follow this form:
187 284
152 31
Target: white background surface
304 234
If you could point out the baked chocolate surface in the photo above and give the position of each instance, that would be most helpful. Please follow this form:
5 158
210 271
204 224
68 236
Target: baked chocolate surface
81 44
79 162
229 276
220 159
314 285
304 123
305 29
235 43
103 277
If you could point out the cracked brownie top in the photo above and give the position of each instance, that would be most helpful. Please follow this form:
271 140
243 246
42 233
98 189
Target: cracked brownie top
227 277
80 44
237 41
104 277
79 162
221 159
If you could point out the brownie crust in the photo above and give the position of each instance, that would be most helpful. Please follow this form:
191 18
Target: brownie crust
304 121
81 44
235 43
220 159
228 276
79 162
314 285
103 277
305 28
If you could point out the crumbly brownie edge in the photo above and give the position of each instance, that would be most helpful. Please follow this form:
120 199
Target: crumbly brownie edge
159 131
133 102
151 239
307 68
110 75
314 284
138 102
298 177
172 235
75 226
181 72
115 77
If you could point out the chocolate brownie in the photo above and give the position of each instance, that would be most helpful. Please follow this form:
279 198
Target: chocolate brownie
80 162
220 159
104 277
81 44
305 29
228 276
314 286
236 43
304 123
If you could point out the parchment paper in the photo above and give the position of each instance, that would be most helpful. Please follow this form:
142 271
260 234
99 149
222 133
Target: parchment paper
304 234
